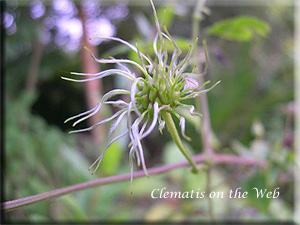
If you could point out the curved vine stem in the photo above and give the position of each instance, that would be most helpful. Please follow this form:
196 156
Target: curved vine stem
217 158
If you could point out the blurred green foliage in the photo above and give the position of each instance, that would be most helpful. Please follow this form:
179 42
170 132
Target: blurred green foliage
243 28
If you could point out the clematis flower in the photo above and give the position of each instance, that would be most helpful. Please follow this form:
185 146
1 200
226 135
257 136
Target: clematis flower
163 87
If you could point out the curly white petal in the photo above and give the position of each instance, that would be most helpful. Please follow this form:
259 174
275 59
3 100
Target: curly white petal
154 121
125 43
182 126
99 123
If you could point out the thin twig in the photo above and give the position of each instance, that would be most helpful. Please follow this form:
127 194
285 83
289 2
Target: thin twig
202 99
217 159
33 72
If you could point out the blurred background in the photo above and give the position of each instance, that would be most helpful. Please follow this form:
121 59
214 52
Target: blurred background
252 109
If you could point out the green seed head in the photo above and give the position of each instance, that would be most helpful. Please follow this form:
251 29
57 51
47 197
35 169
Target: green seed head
155 90
164 85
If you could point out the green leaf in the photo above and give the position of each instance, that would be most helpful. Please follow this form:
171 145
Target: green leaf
171 154
144 186
258 181
111 160
168 15
242 28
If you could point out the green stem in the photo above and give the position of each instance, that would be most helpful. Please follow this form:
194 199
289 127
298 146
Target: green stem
173 131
